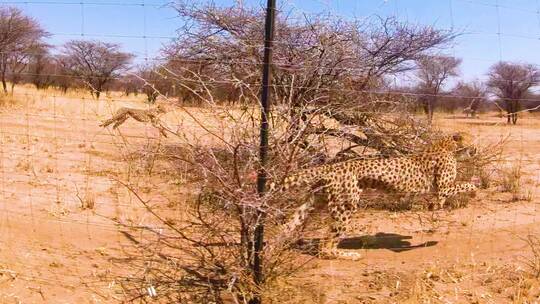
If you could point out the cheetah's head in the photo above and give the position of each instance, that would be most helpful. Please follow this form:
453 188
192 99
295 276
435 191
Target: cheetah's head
462 144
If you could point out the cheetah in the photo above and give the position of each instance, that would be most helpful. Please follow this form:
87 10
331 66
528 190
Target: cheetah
150 115
433 169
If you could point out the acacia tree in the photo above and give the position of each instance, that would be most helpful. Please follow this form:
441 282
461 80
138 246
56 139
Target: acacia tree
154 82
511 82
41 67
433 72
62 75
129 84
19 36
470 94
31 59
95 63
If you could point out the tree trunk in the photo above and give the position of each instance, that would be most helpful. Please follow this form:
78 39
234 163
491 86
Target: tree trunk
425 106
430 108
4 83
508 106
3 74
515 109
97 89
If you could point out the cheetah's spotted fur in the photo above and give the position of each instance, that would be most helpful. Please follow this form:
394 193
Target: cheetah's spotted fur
435 168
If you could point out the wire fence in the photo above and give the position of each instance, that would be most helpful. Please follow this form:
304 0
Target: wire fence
69 212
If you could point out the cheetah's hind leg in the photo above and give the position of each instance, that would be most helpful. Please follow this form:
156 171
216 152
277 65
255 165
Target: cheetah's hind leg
341 212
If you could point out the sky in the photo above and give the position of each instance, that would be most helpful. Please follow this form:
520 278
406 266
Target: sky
492 30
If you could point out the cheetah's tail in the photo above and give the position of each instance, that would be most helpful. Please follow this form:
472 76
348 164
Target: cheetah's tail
300 216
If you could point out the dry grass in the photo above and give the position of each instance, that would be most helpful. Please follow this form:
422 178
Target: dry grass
470 282
86 199
511 181
533 260
23 90
8 100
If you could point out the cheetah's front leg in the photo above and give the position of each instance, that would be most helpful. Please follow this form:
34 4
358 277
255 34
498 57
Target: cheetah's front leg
119 120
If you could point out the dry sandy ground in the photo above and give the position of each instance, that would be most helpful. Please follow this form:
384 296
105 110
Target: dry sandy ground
55 159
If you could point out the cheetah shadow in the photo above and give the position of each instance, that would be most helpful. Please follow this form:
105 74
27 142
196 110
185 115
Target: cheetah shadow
390 241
